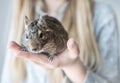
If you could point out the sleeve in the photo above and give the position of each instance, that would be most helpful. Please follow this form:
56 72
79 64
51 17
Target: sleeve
106 35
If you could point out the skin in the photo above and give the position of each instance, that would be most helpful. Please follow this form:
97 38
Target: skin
68 61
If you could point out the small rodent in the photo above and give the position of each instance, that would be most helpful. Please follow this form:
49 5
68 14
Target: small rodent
44 35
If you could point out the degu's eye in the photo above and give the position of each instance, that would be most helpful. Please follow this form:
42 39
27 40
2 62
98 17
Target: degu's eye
26 36
41 35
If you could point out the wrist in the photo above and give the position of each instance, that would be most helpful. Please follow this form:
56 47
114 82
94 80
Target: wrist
75 72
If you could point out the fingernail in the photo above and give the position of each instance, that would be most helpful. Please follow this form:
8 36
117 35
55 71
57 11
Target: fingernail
71 42
10 44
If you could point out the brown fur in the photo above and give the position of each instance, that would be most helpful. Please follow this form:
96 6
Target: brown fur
46 34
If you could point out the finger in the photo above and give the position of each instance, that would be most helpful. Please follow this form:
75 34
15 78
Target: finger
44 64
20 53
17 49
38 58
73 48
14 46
32 56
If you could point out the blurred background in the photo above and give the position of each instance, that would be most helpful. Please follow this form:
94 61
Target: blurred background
6 15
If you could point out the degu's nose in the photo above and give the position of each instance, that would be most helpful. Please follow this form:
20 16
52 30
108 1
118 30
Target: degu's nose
34 48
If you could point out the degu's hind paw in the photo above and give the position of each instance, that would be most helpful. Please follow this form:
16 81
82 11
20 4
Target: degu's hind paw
50 58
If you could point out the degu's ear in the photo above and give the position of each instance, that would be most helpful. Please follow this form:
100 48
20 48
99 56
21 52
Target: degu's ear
26 22
40 19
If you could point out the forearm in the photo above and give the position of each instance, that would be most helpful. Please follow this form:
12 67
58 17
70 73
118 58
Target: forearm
76 72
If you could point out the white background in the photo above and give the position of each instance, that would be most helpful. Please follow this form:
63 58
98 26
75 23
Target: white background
5 16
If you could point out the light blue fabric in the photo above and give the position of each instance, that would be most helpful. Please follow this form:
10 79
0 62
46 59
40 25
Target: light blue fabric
105 29
106 36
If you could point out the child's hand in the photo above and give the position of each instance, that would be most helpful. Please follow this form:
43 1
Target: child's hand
67 61
68 57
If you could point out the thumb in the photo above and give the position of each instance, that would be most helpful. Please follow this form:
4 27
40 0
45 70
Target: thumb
73 48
